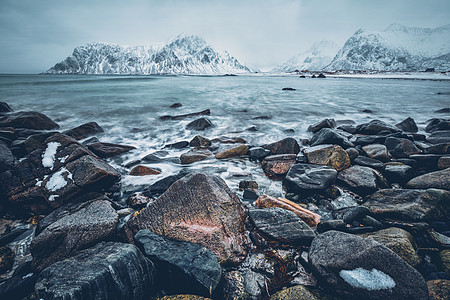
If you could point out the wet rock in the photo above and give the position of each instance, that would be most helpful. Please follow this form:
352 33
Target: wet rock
369 162
321 76
143 171
184 116
439 180
325 123
91 140
370 139
364 270
20 285
443 148
106 150
288 89
195 155
178 145
310 218
6 259
282 226
308 178
4 107
375 127
329 155
327 225
248 185
232 152
22 147
7 159
199 124
330 136
428 162
356 213
439 137
362 180
106 271
409 205
398 173
250 195
90 223
201 209
28 119
285 146
199 141
84 131
258 153
162 185
407 125
138 200
352 153
278 164
399 147
298 292
183 267
229 140
444 162
234 286
437 125
398 240
176 105
439 289
151 159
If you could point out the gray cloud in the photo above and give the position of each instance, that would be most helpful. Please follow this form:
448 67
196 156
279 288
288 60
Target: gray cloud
34 35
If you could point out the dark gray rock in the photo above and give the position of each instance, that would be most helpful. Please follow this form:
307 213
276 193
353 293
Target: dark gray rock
7 159
258 153
356 213
328 225
377 151
22 147
362 180
162 185
443 148
176 105
325 123
439 137
285 146
330 136
28 119
199 124
370 139
183 267
369 162
398 173
206 112
106 271
309 178
21 283
427 162
84 131
93 222
106 150
438 125
199 141
375 127
194 155
4 107
400 147
407 125
438 180
178 145
352 153
358 268
409 204
282 226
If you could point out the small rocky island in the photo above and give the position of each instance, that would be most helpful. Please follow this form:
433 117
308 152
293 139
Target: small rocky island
366 215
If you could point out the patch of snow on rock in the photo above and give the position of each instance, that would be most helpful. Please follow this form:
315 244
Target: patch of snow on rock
48 158
373 280
57 181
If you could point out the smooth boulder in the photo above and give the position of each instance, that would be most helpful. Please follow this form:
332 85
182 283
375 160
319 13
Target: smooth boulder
199 124
194 155
439 180
362 180
84 131
309 178
329 155
375 127
106 150
232 152
330 136
284 146
400 147
29 120
279 164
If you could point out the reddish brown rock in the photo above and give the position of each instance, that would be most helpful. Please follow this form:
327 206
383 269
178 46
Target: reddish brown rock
310 218
329 155
232 152
201 209
141 170
105 150
194 155
439 180
285 146
278 164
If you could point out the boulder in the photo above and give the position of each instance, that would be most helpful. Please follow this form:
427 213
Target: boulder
329 155
407 125
443 148
437 124
206 112
199 124
106 271
439 180
369 162
258 153
7 159
201 209
162 185
375 127
308 178
352 153
20 284
82 226
28 119
444 162
398 173
398 240
199 141
143 171
176 105
248 185
84 131
232 152
194 155
330 136
426 162
278 164
281 226
4 107
400 147
178 145
370 139
229 140
22 147
362 180
285 146
310 218
106 150
325 123
439 137
183 267
358 268
409 205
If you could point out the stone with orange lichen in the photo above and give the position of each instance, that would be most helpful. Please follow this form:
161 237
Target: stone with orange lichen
278 164
330 155
232 152
310 218
201 209
141 170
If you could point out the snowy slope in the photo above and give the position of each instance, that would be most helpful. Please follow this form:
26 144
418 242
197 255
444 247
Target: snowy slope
398 48
315 58
186 54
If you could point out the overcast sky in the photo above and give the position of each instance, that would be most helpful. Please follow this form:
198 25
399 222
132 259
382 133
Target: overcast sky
34 35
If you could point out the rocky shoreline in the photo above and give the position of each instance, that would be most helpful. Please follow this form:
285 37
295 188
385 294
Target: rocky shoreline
366 214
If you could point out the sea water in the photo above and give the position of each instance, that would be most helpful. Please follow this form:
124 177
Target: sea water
128 109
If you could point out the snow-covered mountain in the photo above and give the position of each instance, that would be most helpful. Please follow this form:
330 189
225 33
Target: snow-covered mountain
315 58
398 48
186 54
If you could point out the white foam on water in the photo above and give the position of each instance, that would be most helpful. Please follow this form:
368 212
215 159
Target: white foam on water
57 181
373 280
48 158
